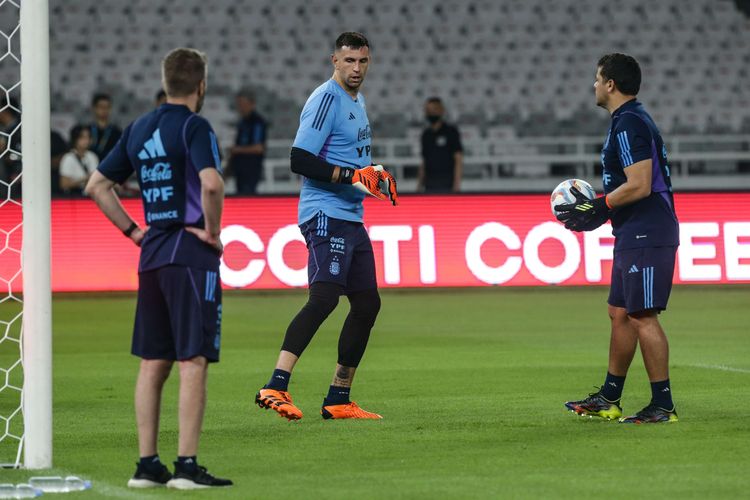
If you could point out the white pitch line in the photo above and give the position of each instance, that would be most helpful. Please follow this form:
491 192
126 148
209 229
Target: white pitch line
112 491
723 368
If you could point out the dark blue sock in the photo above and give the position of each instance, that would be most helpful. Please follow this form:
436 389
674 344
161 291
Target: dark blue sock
661 394
279 380
188 462
337 396
612 388
150 462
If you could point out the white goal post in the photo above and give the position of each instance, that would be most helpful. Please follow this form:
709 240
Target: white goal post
36 337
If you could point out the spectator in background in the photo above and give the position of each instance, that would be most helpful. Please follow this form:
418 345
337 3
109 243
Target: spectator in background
104 135
246 156
442 154
161 98
10 121
79 163
58 147
743 6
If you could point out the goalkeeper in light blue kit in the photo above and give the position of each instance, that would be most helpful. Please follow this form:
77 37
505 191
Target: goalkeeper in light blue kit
332 151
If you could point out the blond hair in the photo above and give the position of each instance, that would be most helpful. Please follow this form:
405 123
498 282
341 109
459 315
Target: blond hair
182 70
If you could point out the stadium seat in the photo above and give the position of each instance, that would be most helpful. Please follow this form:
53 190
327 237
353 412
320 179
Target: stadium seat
507 67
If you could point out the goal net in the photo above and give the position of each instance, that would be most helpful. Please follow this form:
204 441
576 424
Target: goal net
25 299
11 373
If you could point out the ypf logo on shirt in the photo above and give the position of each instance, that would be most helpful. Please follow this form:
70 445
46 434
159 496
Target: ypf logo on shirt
156 173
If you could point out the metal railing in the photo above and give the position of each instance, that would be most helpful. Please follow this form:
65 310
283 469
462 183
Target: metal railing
534 164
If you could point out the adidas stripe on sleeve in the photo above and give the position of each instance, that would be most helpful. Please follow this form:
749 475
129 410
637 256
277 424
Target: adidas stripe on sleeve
632 140
316 122
202 145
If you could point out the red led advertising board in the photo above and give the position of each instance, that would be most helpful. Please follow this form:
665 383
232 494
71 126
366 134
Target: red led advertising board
463 240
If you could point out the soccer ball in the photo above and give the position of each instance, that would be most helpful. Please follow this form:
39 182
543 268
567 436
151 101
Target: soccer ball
562 195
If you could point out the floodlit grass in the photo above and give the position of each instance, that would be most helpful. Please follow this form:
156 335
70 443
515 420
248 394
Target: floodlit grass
471 385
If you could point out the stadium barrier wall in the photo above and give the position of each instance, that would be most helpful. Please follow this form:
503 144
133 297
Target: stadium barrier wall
461 240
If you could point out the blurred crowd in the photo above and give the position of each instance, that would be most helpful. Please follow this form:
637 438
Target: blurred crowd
72 159
75 154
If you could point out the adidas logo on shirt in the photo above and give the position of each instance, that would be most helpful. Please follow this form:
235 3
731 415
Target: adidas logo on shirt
633 269
152 148
352 117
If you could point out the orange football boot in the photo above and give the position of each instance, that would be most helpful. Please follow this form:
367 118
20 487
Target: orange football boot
278 401
348 410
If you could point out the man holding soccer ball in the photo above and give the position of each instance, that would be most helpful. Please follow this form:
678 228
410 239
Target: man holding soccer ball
639 202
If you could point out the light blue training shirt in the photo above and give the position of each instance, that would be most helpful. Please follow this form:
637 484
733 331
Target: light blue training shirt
334 126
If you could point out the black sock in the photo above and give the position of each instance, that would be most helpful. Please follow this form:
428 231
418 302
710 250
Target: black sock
279 380
151 462
188 463
661 395
612 388
337 396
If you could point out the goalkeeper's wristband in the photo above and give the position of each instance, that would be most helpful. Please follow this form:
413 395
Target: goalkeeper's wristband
345 175
132 227
606 202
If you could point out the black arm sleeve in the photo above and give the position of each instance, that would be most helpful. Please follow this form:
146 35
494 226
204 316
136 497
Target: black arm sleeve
307 164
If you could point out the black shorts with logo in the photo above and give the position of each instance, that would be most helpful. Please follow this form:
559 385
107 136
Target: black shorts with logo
642 278
340 252
178 315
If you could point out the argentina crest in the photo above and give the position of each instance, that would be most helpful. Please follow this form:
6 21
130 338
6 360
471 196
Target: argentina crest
335 268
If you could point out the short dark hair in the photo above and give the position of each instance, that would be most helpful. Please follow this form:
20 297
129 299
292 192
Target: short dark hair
247 94
182 71
160 95
76 132
434 100
100 96
623 70
351 39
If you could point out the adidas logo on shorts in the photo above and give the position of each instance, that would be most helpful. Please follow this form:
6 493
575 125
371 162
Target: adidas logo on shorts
633 269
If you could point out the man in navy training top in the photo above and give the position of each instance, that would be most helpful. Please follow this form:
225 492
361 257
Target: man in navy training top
246 161
332 151
639 201
174 153
104 134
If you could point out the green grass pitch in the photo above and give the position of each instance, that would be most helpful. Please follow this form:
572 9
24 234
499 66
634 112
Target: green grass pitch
471 385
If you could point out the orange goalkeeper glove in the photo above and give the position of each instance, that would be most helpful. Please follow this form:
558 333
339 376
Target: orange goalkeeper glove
390 186
368 180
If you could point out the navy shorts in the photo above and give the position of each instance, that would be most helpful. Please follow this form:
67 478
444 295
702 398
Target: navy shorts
340 252
178 315
642 278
